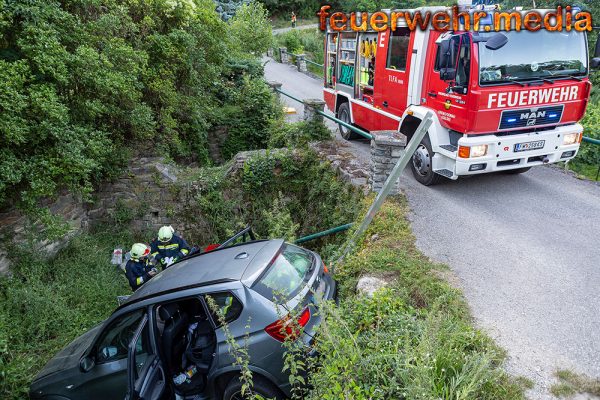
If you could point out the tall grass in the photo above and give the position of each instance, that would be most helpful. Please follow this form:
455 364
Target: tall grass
414 339
46 304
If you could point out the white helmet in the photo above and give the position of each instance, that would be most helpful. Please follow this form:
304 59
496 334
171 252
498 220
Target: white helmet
165 233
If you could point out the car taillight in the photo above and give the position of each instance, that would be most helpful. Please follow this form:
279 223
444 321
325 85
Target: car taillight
325 269
286 327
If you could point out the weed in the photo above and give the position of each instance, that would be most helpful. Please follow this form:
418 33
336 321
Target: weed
411 340
571 383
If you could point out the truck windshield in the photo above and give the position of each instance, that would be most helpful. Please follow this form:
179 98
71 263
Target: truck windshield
533 56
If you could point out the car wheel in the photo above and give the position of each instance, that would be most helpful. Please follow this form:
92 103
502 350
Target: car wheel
344 114
517 171
233 391
422 165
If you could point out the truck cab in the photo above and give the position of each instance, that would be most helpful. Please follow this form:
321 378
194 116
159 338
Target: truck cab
503 101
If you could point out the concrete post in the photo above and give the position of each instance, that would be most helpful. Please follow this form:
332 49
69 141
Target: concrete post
301 63
275 85
284 55
386 149
270 52
310 108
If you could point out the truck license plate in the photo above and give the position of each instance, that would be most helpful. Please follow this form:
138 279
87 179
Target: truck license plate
529 146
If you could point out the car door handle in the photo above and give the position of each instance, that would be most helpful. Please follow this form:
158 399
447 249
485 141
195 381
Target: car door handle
385 103
432 94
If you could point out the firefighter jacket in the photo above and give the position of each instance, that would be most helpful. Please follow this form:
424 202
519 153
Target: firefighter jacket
177 248
136 272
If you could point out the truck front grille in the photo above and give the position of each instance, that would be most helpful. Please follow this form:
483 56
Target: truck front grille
529 117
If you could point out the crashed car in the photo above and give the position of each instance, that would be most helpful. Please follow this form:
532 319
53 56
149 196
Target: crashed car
167 340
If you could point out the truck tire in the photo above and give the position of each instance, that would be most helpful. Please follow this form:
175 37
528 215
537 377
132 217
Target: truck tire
421 165
343 113
262 387
517 171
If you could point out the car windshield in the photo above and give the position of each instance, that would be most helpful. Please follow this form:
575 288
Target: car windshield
533 55
286 275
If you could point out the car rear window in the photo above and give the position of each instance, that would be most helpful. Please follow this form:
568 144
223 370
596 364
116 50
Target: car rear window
286 275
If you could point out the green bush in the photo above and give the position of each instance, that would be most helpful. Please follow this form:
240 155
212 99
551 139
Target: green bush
282 193
299 134
86 82
251 118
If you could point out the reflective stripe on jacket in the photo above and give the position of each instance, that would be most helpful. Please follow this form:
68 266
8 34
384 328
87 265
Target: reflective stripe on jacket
177 248
137 273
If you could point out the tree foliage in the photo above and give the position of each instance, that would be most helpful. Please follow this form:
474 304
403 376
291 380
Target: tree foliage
87 81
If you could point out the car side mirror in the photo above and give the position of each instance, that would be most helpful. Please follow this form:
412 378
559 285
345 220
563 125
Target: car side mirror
595 64
86 363
447 74
496 42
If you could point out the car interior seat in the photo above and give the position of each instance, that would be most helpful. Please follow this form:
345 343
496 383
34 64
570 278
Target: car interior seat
174 333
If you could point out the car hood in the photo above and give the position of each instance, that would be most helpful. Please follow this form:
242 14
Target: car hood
69 356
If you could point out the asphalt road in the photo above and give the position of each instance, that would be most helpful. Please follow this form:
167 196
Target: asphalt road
525 249
299 27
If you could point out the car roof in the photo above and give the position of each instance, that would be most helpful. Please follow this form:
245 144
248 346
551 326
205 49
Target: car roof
217 266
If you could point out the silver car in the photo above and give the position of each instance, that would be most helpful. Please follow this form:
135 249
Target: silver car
166 341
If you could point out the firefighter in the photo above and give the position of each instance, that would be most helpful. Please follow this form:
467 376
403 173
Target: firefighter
168 247
293 19
138 269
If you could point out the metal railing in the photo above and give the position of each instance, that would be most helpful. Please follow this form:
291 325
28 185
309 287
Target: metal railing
331 117
313 63
327 232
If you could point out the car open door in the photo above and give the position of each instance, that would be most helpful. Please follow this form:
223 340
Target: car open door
146 375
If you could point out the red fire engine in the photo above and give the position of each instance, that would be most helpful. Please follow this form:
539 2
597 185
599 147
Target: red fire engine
503 101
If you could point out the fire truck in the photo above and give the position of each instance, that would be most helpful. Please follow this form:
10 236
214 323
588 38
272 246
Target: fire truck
502 101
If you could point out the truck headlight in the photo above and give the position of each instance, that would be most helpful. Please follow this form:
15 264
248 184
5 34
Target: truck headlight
479 150
571 138
472 151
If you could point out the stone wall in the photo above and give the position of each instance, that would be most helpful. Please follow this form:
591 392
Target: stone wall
145 193
14 226
147 196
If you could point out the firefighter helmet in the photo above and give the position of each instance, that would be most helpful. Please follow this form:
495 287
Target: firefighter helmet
139 250
165 233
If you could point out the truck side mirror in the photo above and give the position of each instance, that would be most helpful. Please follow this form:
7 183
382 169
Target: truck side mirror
447 74
496 42
445 53
595 64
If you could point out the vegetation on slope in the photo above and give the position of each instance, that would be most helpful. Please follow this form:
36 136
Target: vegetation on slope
46 304
414 339
86 83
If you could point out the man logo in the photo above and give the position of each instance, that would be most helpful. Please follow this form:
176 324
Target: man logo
532 116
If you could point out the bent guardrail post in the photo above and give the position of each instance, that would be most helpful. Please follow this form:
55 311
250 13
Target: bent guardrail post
390 182
313 110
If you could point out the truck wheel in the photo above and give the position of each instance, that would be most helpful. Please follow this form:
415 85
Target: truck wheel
344 114
517 171
422 166
233 391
